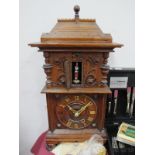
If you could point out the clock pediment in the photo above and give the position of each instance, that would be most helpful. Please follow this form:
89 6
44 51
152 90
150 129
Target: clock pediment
76 32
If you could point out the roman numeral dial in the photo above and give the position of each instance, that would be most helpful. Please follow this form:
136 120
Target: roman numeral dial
76 111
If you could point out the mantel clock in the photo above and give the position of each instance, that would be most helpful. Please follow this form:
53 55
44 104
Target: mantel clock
76 53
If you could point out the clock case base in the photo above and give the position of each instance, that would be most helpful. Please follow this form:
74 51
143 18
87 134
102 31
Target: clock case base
68 135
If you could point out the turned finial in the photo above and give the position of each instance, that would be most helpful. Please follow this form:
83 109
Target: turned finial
76 10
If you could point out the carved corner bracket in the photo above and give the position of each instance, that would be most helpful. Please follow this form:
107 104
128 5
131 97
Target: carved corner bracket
104 69
47 69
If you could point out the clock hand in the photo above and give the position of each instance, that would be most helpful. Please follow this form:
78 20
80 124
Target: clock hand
77 114
71 109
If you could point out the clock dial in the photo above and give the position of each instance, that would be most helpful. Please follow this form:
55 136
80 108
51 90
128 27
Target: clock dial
76 111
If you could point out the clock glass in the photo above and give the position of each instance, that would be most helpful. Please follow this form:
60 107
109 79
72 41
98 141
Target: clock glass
76 111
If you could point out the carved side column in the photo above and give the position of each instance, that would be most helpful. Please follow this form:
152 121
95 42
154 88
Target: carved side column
105 68
48 68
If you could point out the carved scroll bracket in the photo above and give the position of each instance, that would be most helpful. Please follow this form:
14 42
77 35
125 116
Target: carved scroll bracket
104 68
77 56
47 57
105 71
90 80
47 69
94 60
105 56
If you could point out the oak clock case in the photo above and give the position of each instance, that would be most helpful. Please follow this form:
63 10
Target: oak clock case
76 52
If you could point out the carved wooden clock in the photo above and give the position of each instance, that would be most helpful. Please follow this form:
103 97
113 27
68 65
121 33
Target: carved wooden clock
76 53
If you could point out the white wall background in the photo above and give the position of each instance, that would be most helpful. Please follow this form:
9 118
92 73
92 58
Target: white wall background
37 16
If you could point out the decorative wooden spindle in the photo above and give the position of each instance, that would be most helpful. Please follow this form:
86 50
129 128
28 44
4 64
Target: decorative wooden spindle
47 57
76 10
105 68
48 68
76 74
